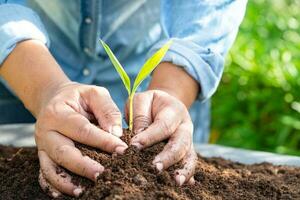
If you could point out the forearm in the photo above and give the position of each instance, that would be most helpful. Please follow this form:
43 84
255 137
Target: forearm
175 81
32 73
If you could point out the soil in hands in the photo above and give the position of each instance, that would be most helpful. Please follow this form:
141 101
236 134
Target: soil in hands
132 176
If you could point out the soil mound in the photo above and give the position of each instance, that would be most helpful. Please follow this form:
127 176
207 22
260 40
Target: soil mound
132 176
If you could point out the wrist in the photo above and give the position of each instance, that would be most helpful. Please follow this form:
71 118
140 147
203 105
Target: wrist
175 81
43 97
32 73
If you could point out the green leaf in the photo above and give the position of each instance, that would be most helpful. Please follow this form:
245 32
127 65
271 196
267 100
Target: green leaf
125 78
150 65
147 68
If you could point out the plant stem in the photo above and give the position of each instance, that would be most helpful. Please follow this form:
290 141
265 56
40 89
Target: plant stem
131 111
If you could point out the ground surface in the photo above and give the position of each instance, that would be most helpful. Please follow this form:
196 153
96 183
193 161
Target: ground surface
132 177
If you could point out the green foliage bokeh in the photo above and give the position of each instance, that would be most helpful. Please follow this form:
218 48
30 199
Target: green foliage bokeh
257 105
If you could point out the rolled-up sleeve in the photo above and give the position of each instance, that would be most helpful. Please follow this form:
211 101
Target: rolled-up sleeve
202 32
18 23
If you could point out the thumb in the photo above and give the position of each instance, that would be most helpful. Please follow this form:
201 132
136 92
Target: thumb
142 103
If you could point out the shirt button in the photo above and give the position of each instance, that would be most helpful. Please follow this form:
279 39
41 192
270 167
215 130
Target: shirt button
86 72
86 50
88 20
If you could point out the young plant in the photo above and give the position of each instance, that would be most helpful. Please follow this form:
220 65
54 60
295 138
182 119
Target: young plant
146 69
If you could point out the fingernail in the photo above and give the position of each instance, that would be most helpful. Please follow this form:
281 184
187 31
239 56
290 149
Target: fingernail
96 175
137 145
120 149
159 166
192 181
77 192
101 169
116 130
55 194
181 180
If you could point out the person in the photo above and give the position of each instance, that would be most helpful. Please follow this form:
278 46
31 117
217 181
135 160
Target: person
52 63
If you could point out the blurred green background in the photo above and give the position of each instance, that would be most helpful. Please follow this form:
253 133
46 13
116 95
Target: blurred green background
257 105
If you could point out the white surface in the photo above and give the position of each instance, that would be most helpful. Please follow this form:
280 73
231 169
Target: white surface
22 135
246 156
17 135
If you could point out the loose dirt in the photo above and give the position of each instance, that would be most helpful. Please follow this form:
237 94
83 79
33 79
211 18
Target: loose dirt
132 176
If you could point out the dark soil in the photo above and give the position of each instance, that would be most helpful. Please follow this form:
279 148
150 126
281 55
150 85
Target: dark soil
133 177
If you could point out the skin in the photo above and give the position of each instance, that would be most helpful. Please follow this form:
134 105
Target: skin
161 113
64 109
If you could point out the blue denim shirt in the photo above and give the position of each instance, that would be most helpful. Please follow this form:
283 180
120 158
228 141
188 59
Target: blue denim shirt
202 31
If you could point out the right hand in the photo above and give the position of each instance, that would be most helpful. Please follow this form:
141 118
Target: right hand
65 117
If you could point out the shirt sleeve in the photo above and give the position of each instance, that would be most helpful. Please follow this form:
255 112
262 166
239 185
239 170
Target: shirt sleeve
18 23
202 32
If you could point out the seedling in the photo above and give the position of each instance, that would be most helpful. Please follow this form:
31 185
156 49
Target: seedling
146 69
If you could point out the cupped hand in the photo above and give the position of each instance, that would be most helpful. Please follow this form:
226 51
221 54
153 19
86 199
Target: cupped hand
158 116
66 116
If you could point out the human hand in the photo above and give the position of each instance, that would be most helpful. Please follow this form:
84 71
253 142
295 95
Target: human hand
158 116
65 117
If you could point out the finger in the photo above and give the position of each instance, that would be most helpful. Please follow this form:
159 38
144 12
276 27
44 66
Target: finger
126 111
105 110
47 187
164 125
79 128
142 104
63 152
62 180
176 148
186 173
79 107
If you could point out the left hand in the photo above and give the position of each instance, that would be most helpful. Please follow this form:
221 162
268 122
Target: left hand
158 116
